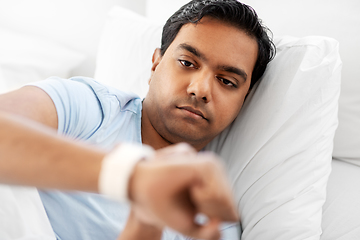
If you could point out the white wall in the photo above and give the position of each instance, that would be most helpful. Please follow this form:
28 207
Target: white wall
74 23
161 10
332 18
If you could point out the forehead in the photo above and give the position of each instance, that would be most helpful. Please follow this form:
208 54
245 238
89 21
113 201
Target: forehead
221 43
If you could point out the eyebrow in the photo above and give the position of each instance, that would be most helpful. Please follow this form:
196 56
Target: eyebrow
226 68
235 70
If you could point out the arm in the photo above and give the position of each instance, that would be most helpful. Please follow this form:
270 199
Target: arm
32 154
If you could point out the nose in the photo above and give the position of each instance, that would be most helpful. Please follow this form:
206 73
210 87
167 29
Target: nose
200 87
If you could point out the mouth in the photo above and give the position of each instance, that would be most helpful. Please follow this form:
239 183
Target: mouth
193 111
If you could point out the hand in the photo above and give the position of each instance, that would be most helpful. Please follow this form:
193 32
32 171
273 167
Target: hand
178 183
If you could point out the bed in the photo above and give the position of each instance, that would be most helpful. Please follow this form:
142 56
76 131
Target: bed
295 170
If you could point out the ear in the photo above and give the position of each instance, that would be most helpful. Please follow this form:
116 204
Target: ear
156 58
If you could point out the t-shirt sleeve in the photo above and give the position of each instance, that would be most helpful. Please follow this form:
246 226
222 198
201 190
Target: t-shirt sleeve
78 107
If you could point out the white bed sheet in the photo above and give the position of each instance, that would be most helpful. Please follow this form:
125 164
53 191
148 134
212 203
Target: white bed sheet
22 215
341 211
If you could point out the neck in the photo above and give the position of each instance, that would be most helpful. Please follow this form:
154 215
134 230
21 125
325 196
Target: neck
149 135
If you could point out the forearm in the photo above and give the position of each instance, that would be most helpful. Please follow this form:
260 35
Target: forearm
32 154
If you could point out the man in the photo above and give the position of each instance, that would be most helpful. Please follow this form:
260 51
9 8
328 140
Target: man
212 53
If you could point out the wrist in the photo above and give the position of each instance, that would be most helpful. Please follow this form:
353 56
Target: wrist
117 168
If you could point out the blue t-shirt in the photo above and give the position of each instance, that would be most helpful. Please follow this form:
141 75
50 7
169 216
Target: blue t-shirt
101 116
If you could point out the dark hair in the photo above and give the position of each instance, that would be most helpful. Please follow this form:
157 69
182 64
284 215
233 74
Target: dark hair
231 12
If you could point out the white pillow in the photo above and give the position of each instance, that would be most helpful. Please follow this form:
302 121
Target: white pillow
347 137
26 58
278 152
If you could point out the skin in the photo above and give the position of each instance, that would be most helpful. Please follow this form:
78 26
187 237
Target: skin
196 90
193 97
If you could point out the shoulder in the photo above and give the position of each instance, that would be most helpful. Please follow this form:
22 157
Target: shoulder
84 88
87 108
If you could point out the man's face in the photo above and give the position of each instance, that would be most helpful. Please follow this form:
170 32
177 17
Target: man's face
198 87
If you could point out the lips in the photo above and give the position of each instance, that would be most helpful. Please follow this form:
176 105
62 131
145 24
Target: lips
193 110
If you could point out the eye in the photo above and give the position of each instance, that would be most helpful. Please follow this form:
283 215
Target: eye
227 82
187 64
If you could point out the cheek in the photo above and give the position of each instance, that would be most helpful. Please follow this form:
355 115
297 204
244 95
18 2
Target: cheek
159 84
161 78
229 109
170 81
